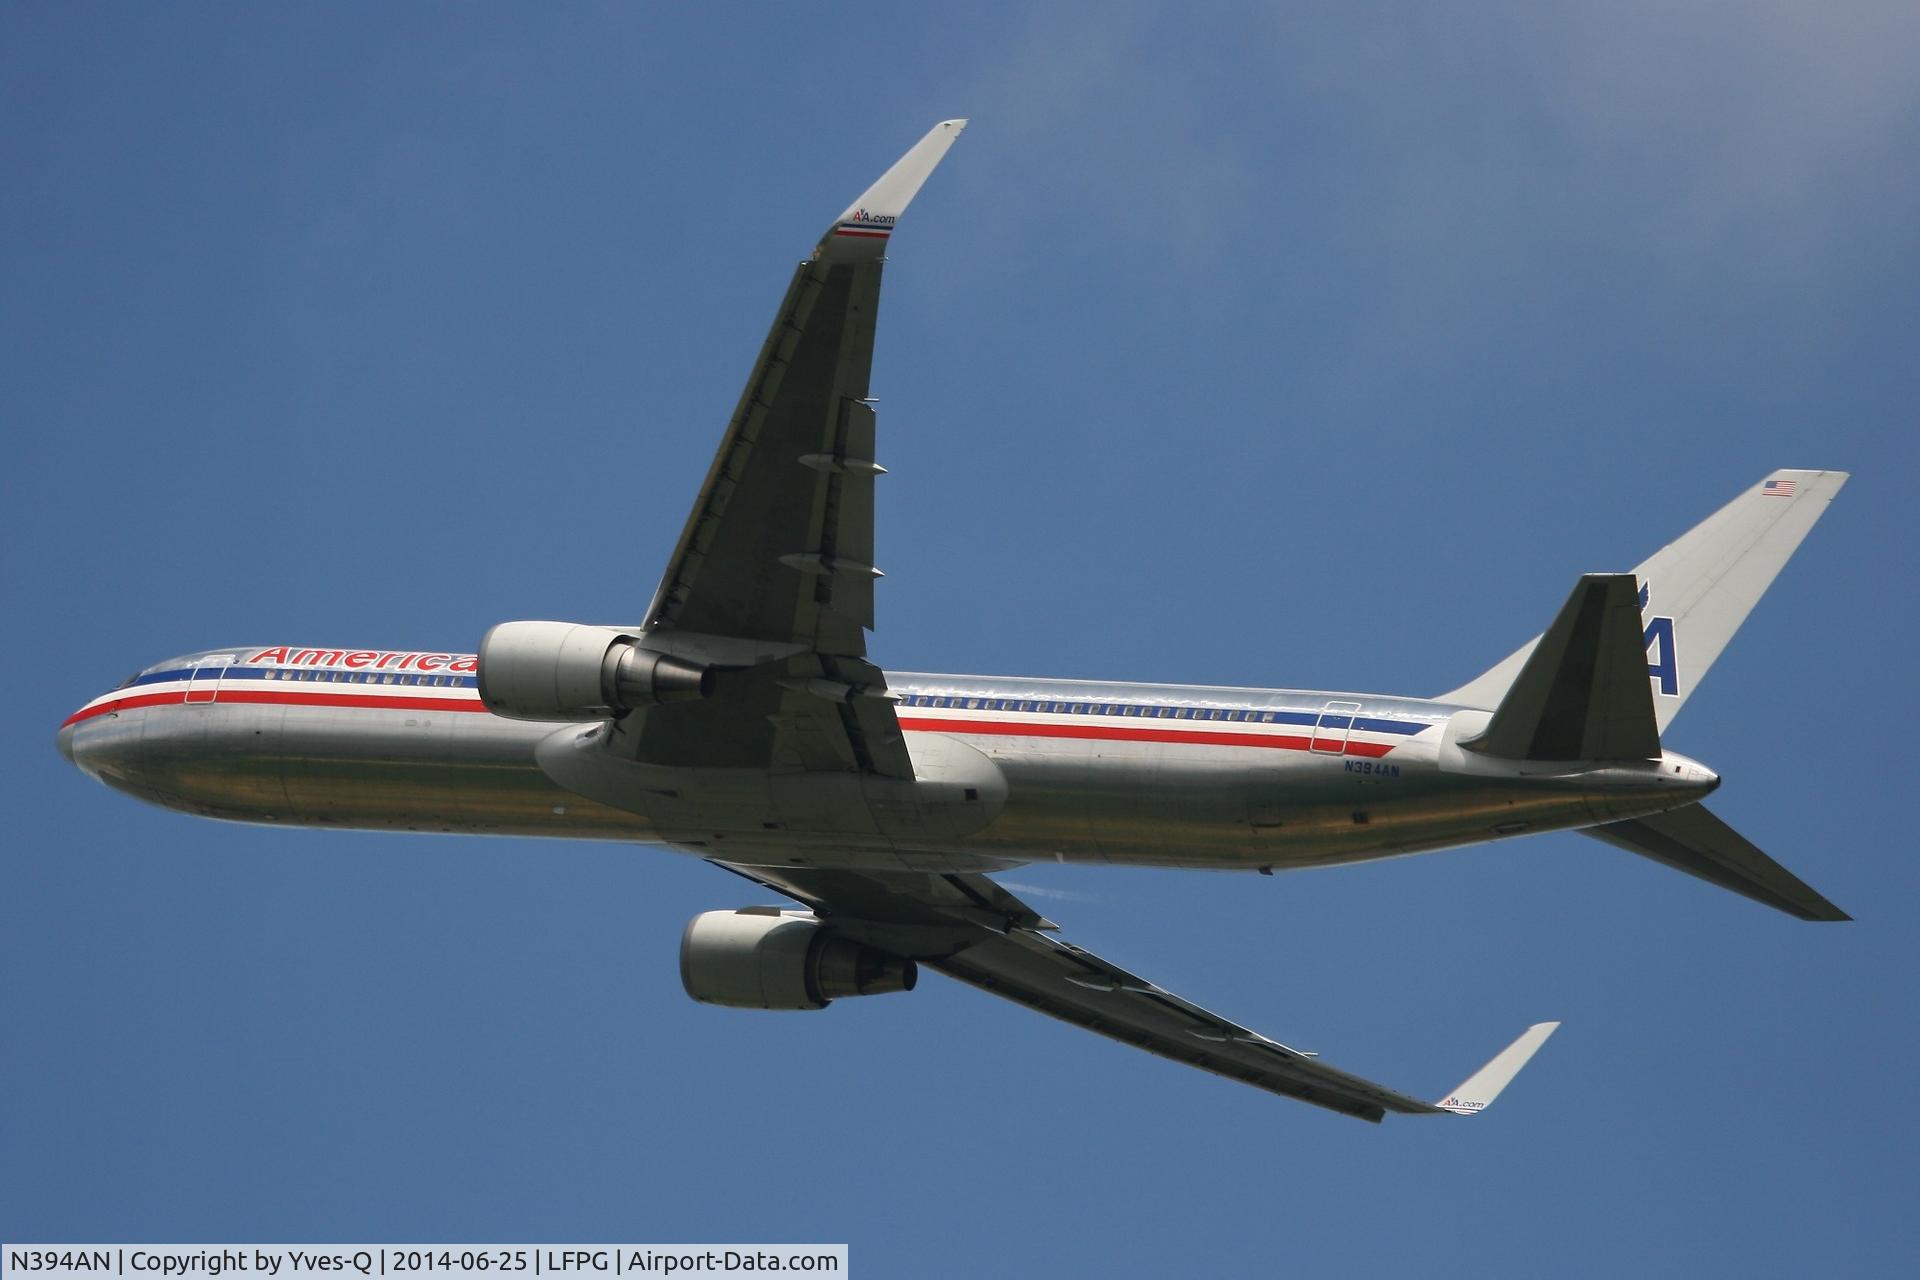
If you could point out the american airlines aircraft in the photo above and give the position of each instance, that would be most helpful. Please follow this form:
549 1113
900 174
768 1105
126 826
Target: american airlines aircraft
742 722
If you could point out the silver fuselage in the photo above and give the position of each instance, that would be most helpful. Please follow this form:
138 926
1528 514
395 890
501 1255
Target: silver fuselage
1008 771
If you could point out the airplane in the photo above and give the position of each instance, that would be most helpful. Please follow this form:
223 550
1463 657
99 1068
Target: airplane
742 722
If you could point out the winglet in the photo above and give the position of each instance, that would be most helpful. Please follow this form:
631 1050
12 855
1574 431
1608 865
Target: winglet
1479 1090
860 234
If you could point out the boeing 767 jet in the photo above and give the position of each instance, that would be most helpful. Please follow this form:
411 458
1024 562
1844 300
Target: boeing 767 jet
742 721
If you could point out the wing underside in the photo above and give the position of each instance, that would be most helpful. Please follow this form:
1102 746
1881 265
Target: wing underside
972 929
771 583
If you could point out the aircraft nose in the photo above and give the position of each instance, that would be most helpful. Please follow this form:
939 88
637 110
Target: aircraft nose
64 740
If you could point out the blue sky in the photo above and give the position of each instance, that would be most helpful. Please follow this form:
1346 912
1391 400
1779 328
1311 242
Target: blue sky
1300 345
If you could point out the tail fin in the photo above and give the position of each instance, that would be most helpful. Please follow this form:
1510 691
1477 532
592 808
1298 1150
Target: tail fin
1697 591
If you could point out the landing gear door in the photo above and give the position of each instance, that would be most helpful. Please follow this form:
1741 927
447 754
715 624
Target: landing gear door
1331 730
203 686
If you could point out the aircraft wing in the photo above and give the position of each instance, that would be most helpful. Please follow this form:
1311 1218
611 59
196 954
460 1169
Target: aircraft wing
970 928
772 579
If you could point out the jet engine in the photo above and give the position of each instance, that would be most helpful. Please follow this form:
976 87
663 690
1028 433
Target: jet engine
764 958
566 671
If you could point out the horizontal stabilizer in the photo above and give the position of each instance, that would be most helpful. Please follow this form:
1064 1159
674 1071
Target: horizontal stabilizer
1694 841
1583 692
1478 1091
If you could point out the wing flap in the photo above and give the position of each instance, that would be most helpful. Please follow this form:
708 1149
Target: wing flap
1066 982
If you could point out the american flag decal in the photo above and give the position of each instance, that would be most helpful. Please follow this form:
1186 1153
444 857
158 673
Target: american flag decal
1777 489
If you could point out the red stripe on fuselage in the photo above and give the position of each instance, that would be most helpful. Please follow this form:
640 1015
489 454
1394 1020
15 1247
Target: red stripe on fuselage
177 697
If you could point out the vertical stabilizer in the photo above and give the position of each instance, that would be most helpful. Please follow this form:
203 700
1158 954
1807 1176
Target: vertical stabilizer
1696 592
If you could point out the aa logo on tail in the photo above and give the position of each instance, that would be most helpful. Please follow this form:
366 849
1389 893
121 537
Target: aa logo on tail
1663 663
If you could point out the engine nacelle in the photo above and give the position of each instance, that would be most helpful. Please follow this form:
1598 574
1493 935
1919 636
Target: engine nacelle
762 958
566 671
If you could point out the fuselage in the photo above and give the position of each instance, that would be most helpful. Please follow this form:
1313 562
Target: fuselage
1010 770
